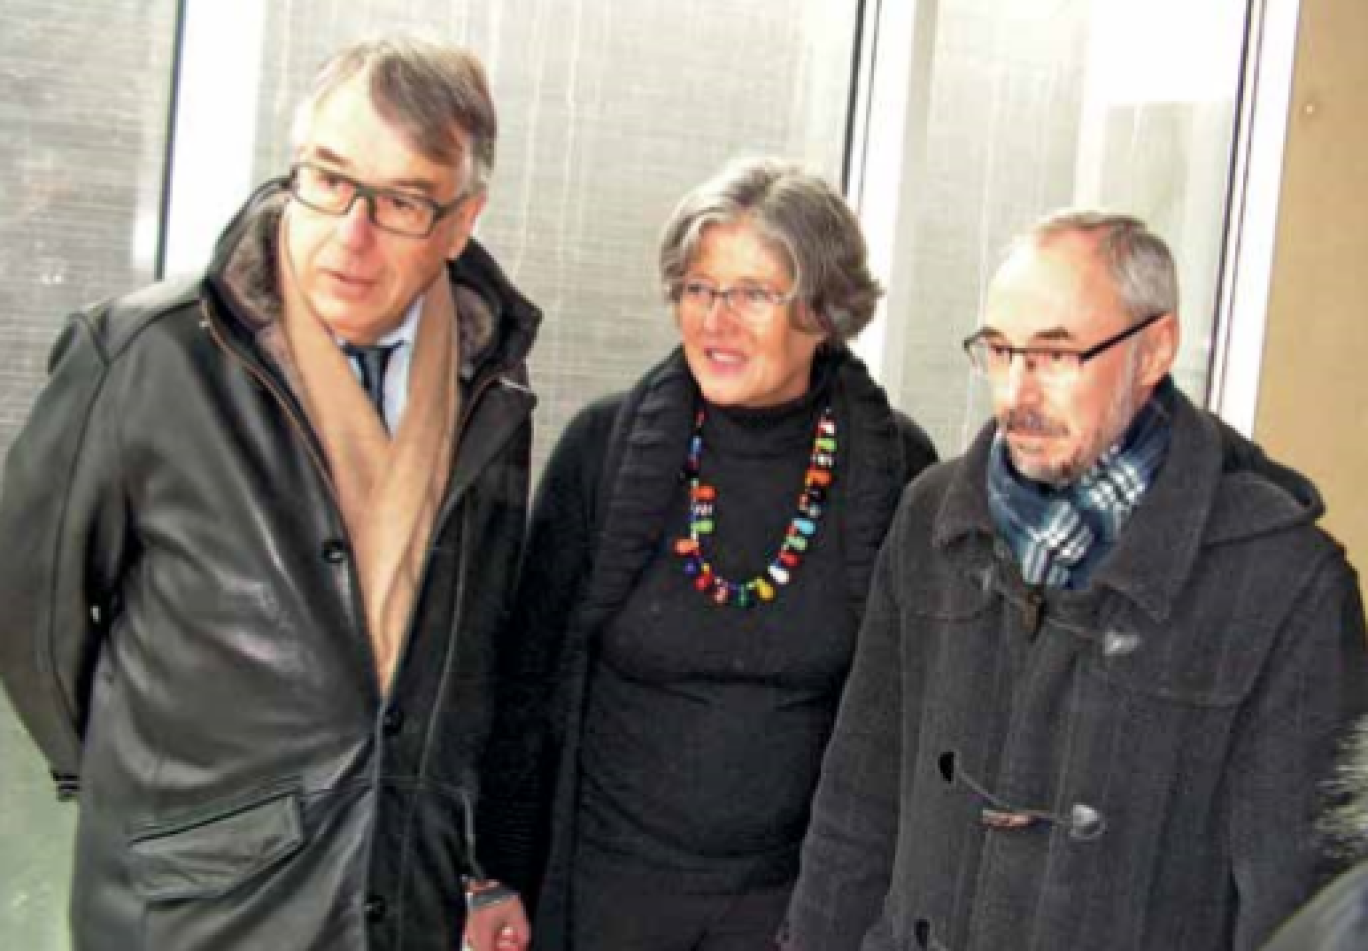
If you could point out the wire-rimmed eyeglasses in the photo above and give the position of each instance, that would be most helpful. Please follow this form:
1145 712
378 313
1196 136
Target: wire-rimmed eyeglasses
753 303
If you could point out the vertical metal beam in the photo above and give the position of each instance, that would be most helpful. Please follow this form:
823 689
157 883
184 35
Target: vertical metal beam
888 161
218 99
168 163
1256 187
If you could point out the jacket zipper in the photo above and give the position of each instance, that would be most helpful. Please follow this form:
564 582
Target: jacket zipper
444 514
468 405
306 434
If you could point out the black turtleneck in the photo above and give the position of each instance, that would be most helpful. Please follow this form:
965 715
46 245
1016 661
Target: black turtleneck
706 723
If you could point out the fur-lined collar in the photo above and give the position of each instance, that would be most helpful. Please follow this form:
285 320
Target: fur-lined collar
495 322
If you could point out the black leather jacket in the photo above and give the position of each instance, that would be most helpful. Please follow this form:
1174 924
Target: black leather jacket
182 626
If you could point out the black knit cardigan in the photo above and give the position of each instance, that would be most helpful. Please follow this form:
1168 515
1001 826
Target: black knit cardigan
599 517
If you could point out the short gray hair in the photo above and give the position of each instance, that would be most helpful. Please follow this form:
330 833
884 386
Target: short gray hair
800 218
1138 261
433 92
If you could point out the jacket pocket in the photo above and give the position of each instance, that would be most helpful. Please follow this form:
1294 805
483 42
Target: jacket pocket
214 850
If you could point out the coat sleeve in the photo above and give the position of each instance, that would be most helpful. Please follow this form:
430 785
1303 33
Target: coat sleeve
919 452
519 766
62 529
847 858
1315 686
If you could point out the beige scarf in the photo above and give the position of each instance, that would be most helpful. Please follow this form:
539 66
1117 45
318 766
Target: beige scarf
389 490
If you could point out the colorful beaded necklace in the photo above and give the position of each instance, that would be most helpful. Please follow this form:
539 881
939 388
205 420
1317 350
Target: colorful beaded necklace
801 531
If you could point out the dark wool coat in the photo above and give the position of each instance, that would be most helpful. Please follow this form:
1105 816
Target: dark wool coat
1128 767
599 518
183 635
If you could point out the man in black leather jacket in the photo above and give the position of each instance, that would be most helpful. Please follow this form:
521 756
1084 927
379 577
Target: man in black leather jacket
258 534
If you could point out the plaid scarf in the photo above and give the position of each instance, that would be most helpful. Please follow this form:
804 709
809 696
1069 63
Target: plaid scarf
1060 534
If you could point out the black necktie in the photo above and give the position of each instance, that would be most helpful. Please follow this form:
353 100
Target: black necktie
372 361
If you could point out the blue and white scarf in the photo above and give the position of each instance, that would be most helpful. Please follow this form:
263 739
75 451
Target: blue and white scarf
1060 534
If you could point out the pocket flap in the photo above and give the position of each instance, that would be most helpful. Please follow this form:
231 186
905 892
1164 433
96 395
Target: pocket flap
215 850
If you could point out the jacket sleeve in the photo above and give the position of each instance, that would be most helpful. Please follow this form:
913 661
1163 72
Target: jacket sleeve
848 853
919 452
1315 686
62 528
519 766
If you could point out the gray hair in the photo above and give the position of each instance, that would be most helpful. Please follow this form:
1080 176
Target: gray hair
433 92
800 218
1137 260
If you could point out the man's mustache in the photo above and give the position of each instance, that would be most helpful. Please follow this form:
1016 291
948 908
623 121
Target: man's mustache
1029 422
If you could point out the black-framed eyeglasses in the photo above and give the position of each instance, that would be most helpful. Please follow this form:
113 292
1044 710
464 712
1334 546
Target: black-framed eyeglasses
993 359
399 212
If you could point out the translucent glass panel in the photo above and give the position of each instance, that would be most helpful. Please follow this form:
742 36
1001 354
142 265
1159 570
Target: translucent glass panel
1035 105
609 111
83 104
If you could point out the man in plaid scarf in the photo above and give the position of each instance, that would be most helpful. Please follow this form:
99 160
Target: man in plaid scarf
1107 658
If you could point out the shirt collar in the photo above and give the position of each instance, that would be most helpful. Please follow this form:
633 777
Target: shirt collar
405 333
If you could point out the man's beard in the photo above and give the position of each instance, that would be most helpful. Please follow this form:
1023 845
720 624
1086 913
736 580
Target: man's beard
1062 472
1032 422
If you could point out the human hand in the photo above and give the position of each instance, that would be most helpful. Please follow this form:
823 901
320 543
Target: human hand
495 919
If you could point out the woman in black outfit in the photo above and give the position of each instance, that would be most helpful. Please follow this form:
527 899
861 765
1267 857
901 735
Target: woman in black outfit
697 566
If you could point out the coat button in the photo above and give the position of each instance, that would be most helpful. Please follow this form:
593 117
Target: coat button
392 722
376 909
1085 822
1118 644
334 551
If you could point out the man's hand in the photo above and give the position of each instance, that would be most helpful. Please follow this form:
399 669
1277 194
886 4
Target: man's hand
495 919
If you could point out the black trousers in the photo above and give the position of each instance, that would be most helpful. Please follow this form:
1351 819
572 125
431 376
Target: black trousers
616 910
